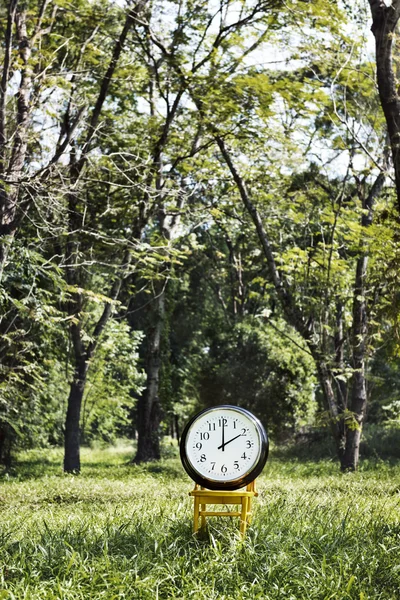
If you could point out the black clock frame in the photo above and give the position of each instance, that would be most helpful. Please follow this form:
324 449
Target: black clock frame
236 483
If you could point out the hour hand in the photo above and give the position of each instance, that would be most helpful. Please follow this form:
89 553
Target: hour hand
228 442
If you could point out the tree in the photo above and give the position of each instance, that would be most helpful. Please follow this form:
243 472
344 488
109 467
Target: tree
84 347
320 322
32 353
114 382
228 343
189 32
32 162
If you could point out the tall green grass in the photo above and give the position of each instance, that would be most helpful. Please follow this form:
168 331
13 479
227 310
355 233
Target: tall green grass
122 531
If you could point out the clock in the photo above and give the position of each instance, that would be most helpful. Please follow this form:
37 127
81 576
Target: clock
224 447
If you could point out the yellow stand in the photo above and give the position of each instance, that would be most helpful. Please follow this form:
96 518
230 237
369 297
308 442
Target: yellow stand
202 497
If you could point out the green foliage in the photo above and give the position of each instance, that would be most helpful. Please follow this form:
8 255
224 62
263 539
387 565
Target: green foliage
267 372
381 441
384 383
227 343
113 385
35 374
32 351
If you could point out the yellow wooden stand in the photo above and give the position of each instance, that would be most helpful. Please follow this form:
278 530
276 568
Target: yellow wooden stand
202 497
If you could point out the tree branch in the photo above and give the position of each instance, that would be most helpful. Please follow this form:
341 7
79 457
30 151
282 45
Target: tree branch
12 7
292 312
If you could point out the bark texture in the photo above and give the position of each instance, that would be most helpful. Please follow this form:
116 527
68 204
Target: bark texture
72 463
149 409
6 438
11 165
384 23
354 417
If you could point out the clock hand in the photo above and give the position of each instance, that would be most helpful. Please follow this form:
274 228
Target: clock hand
228 442
223 436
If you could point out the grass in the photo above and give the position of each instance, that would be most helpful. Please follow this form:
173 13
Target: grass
121 531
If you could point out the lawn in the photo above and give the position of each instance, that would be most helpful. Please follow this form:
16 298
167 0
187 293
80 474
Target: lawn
122 531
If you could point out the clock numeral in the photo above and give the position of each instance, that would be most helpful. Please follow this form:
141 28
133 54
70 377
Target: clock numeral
211 427
213 465
203 458
222 421
224 469
249 444
199 445
244 455
205 436
244 430
236 464
234 424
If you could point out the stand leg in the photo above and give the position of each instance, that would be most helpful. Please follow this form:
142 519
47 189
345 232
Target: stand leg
249 510
196 514
243 516
250 488
203 519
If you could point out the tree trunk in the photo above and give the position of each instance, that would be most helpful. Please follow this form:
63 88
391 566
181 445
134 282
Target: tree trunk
354 420
149 418
72 462
148 408
385 19
355 416
177 428
6 437
341 385
335 416
349 460
9 193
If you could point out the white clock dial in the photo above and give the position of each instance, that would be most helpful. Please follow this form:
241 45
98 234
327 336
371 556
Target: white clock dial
223 444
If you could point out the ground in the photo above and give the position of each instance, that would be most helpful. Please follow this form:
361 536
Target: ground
124 531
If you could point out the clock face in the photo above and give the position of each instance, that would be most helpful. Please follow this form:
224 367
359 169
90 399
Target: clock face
224 447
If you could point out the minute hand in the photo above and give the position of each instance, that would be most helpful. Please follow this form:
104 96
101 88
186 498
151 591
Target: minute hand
229 441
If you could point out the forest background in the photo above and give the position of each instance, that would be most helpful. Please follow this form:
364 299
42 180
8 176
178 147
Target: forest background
198 205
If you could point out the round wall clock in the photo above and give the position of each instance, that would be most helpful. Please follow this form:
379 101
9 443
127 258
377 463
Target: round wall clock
224 447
